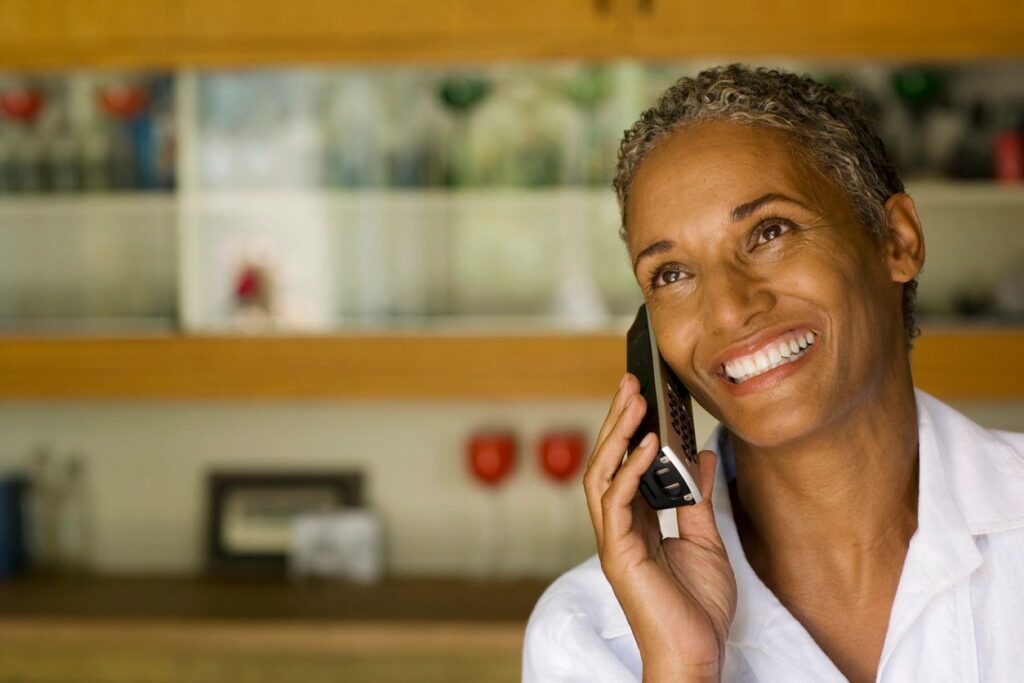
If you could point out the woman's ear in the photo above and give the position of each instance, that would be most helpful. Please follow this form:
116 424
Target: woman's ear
904 244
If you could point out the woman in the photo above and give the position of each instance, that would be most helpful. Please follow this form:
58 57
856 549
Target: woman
853 527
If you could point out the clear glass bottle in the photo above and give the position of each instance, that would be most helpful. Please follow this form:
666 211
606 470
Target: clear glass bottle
73 525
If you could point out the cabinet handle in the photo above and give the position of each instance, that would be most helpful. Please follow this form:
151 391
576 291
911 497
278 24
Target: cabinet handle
645 6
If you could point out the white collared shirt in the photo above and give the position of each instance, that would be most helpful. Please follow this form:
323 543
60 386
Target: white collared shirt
958 614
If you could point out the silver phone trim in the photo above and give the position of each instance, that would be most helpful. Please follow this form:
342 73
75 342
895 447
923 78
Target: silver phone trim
671 445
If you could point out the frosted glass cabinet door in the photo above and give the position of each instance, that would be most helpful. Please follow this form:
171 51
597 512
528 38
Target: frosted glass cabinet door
257 239
259 262
73 262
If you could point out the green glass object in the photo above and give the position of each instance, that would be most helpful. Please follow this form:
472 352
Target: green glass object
589 87
918 87
463 93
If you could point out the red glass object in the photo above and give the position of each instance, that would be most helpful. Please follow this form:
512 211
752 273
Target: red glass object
22 104
249 283
492 456
561 455
123 101
1009 157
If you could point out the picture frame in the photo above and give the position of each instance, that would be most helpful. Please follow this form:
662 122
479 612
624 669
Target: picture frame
251 514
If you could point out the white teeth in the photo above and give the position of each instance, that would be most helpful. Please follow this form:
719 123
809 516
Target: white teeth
783 352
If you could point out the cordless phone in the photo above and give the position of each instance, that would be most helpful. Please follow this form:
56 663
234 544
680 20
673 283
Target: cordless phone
671 480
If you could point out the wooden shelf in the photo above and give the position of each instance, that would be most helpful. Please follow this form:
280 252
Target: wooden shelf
363 366
966 363
195 33
169 629
399 599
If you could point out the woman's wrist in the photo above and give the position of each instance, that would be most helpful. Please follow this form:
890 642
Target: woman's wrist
673 673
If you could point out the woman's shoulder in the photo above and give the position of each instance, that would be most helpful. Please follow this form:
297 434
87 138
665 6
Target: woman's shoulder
576 631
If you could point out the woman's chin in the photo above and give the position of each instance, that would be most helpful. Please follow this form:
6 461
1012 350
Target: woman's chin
775 430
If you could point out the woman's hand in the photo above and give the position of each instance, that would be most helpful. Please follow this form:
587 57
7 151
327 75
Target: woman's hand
678 594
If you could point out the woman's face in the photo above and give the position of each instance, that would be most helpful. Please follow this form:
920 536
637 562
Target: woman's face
741 248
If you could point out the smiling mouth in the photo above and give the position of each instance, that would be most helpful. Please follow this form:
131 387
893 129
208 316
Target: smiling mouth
786 349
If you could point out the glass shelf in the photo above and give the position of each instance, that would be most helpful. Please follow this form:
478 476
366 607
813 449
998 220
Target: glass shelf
268 197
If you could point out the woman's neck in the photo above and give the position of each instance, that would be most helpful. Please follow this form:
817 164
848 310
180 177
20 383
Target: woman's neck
826 523
841 502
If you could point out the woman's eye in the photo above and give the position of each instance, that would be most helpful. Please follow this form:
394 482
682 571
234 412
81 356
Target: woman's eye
666 276
769 230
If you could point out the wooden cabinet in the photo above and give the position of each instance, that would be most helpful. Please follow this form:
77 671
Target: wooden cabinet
65 33
944 29
248 31
176 33
184 33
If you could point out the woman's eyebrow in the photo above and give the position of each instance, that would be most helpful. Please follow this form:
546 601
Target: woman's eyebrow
739 213
744 210
659 247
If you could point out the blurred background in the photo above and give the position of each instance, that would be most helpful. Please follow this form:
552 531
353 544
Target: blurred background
309 312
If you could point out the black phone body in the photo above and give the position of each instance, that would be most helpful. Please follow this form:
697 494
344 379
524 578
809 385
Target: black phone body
671 480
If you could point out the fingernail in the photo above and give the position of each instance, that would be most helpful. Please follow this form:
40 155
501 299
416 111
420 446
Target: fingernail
647 439
622 382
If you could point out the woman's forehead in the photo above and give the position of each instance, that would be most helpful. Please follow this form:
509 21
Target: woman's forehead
712 167
702 155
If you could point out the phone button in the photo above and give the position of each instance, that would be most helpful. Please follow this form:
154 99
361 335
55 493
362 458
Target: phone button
667 475
670 482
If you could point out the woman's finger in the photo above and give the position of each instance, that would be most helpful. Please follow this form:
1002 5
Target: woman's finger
647 524
607 456
617 500
606 460
622 394
707 462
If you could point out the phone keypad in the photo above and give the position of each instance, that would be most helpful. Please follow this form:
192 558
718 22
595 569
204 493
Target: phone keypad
677 411
671 483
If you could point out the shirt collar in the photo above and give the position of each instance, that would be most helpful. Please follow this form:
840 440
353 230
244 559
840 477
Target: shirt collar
983 472
967 476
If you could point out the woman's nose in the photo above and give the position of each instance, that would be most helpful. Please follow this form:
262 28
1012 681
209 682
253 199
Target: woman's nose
732 296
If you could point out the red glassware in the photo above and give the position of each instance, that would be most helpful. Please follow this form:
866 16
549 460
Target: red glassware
561 455
1009 156
123 101
492 456
22 104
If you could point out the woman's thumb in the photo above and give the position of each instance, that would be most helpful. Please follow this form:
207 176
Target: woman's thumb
699 520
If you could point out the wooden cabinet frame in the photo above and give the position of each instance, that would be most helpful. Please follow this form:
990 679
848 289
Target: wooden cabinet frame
166 34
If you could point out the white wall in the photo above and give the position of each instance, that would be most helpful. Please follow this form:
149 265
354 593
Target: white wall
147 463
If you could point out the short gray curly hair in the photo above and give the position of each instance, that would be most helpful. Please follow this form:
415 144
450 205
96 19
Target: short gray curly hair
830 130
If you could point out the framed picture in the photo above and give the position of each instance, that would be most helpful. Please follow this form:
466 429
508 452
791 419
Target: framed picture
251 514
